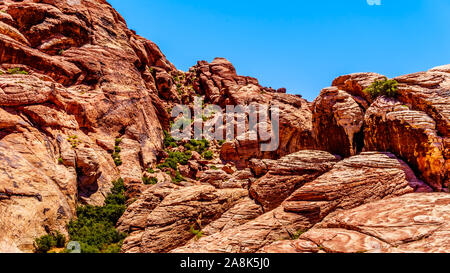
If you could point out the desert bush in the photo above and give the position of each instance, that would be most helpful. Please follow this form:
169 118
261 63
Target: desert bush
16 70
45 243
385 87
74 141
116 154
169 141
176 158
177 178
197 145
94 227
198 233
208 155
149 181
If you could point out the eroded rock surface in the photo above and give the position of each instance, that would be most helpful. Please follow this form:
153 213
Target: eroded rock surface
72 78
351 183
84 101
410 223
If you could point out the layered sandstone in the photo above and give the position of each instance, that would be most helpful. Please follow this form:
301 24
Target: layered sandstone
84 101
82 83
410 223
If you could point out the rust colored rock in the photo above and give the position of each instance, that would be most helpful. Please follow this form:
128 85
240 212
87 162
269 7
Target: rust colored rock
71 70
354 181
412 135
167 225
221 85
338 120
287 174
84 101
356 83
351 183
410 223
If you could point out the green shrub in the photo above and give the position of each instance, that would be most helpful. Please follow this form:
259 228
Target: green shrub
116 154
150 170
149 181
197 145
182 158
221 142
208 155
16 70
383 87
94 227
118 141
60 160
198 233
45 243
60 239
74 141
178 178
297 235
176 158
169 141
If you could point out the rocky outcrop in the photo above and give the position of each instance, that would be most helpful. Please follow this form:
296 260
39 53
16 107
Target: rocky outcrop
414 126
410 223
72 79
221 85
338 119
84 101
393 126
282 177
351 183
169 224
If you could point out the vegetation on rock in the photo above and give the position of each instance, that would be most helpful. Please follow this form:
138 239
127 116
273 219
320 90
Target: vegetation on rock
385 87
116 153
149 180
95 229
16 70
45 243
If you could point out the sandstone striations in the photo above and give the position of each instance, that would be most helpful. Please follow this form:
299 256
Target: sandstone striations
84 100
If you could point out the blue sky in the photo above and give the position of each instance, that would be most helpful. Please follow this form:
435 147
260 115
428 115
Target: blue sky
300 45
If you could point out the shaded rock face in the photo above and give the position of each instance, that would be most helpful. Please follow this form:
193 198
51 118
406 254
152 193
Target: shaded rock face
392 126
84 101
338 120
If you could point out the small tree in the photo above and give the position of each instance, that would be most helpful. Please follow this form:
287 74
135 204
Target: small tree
384 87
208 155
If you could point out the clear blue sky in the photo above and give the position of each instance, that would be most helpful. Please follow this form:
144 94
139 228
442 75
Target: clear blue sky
301 45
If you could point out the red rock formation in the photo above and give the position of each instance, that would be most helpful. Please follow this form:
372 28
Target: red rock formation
410 223
414 127
351 183
284 176
76 86
221 85
84 85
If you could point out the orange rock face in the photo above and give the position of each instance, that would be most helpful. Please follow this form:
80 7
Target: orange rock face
82 84
84 101
410 223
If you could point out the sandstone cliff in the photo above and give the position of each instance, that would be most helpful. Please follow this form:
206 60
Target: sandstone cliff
84 101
